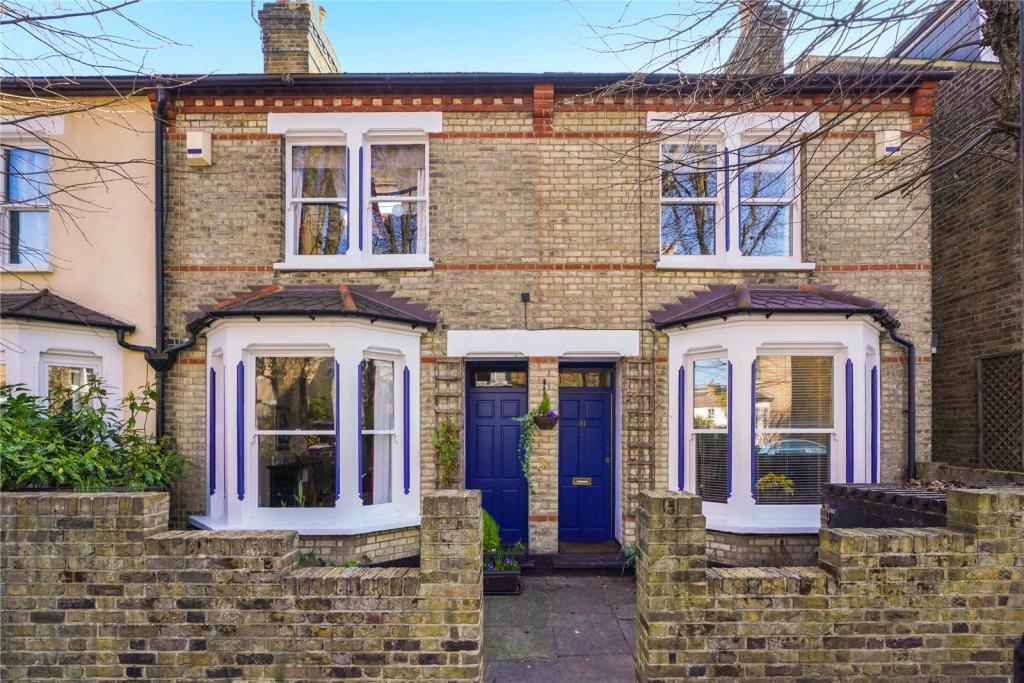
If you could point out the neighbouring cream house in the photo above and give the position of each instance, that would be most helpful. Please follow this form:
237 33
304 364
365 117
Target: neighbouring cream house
77 247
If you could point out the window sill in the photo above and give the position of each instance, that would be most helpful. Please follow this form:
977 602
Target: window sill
746 264
389 523
27 268
332 263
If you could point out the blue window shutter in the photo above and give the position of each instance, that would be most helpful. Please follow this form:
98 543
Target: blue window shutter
874 425
727 192
849 421
753 429
359 428
337 431
240 428
728 457
681 445
361 211
406 431
213 431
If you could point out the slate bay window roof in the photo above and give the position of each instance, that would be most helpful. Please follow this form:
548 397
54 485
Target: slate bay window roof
45 306
361 301
722 301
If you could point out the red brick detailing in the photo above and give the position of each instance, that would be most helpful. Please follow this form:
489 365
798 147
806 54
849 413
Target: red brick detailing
217 268
192 361
903 359
923 99
543 359
558 135
847 267
543 518
230 136
543 266
543 107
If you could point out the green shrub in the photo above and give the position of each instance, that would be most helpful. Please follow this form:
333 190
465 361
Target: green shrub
492 537
447 445
75 440
544 407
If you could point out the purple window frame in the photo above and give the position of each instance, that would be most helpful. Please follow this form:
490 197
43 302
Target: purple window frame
849 421
681 431
406 432
213 432
240 428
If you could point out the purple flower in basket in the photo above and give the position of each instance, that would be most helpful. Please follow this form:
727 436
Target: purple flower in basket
490 565
552 413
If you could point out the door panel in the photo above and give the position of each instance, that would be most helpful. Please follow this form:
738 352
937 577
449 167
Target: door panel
584 453
492 457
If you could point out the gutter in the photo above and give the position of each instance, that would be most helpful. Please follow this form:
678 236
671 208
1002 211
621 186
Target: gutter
161 358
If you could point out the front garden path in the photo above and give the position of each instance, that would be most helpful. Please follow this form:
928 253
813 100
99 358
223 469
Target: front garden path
561 628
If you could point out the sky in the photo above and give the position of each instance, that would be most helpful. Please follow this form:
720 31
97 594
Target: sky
388 36
221 36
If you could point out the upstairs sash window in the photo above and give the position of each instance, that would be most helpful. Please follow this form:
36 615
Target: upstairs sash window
689 199
766 190
25 208
398 198
318 199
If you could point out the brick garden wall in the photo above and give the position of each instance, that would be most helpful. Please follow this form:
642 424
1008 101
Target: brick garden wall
96 588
918 604
534 195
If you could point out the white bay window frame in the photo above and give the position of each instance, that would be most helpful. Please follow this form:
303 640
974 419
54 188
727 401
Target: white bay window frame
348 341
855 338
358 132
731 134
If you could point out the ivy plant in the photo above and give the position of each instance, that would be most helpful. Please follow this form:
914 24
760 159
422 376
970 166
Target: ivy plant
527 437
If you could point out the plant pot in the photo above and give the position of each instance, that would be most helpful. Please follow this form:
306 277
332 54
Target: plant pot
502 582
545 421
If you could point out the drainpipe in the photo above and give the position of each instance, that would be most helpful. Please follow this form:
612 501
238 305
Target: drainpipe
911 399
161 358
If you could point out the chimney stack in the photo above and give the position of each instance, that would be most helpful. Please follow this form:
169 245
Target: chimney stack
760 49
294 40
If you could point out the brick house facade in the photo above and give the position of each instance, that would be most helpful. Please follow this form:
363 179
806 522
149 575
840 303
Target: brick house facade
535 186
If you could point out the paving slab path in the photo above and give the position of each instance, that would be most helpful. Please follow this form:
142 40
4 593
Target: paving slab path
561 628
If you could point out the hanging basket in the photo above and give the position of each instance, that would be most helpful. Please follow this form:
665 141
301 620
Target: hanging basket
545 422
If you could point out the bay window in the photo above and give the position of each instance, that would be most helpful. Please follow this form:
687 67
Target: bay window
25 209
296 450
729 191
357 189
710 421
320 434
376 429
795 428
767 411
67 376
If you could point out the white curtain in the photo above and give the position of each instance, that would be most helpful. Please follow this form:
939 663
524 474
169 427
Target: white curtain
383 418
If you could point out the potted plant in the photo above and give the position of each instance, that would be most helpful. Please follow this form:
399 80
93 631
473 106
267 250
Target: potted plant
500 562
543 416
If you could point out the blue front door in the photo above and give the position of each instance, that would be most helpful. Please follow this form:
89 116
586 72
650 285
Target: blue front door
496 395
584 465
